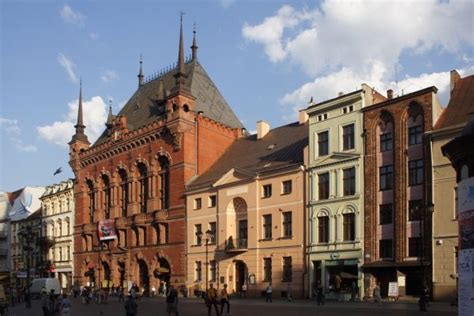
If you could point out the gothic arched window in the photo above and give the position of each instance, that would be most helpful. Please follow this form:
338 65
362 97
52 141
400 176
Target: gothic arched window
164 176
143 187
123 192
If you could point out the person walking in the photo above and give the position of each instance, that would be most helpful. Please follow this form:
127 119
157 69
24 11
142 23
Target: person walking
172 301
131 307
377 295
65 306
269 293
44 302
244 290
53 306
319 294
289 293
120 295
211 300
225 300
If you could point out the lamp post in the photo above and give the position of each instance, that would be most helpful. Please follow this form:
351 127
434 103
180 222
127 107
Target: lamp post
209 234
27 238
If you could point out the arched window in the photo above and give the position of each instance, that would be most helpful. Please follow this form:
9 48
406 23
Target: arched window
123 192
348 225
143 187
107 195
415 124
91 196
68 226
60 228
323 227
164 181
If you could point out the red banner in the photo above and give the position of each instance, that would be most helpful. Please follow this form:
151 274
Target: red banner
106 230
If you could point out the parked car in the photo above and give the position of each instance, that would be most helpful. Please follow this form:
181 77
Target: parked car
48 283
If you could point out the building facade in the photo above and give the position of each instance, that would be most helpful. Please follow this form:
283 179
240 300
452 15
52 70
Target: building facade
172 129
336 192
57 224
398 191
245 216
445 215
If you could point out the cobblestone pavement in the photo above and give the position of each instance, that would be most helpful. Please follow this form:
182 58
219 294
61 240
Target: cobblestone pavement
252 307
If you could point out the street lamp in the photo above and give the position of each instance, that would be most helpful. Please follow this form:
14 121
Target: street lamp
27 238
209 235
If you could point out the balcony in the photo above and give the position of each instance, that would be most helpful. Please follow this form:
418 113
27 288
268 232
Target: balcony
236 245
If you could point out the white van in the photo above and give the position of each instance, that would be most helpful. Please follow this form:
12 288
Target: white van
48 283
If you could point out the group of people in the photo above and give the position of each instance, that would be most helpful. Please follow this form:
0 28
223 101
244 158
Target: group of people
55 305
214 299
131 305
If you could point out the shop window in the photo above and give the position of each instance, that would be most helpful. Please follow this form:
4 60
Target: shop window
386 214
415 169
349 181
323 143
267 226
414 247
267 269
386 177
287 224
287 269
348 137
323 185
323 229
348 226
386 248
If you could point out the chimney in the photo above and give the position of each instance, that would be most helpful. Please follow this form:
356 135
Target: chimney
340 93
262 129
390 94
303 116
455 77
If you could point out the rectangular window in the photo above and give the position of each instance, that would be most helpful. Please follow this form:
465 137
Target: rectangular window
323 184
349 181
198 234
415 209
243 234
415 135
287 224
286 187
386 142
212 201
197 203
287 269
386 211
213 270
323 229
267 269
386 177
348 221
212 229
267 226
267 191
323 143
348 137
385 248
198 271
414 247
415 169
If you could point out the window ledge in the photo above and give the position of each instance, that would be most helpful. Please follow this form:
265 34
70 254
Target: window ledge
285 237
288 193
266 239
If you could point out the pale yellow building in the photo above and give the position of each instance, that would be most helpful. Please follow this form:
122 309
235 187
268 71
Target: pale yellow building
445 225
251 204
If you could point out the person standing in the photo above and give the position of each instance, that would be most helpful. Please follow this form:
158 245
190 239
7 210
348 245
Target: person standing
269 293
377 295
131 307
211 300
65 306
53 308
289 293
172 301
225 300
244 290
319 294
44 302
120 295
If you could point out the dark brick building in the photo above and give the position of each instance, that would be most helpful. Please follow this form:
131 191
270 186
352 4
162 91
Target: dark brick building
172 129
398 200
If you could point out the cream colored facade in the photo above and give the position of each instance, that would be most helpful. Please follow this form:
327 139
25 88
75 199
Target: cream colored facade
57 229
445 224
241 249
336 220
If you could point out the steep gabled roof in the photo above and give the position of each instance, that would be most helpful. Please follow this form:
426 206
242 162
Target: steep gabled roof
143 107
281 147
461 104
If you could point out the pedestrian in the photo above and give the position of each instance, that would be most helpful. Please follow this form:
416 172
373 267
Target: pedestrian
44 302
423 301
353 291
377 295
52 303
211 300
269 293
120 295
65 306
225 300
319 294
165 290
172 301
131 307
244 290
289 293
153 291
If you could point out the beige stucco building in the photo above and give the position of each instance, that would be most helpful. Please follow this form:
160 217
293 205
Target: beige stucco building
445 225
251 203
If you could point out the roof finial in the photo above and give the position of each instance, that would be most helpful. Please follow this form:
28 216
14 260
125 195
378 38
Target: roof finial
140 74
180 75
194 47
110 117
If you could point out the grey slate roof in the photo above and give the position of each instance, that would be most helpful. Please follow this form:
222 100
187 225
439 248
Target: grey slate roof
257 156
142 108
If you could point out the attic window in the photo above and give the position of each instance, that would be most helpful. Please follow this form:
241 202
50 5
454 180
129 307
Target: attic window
270 147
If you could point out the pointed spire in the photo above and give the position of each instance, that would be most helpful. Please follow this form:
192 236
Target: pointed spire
110 117
140 73
180 75
80 122
79 134
194 47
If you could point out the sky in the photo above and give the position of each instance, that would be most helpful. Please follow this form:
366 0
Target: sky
268 58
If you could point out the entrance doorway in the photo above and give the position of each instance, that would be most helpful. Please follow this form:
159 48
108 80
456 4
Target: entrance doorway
163 273
240 275
144 277
107 274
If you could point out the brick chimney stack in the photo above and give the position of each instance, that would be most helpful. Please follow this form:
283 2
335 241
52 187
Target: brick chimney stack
455 77
390 94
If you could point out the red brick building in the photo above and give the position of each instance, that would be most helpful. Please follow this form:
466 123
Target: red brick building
172 129
398 199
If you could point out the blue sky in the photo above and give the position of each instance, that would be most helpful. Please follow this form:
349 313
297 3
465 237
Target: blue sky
267 58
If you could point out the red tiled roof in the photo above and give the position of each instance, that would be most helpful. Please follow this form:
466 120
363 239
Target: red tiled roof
461 105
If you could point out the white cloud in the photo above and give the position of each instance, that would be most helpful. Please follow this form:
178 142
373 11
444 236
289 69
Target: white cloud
60 132
71 16
13 131
109 75
68 66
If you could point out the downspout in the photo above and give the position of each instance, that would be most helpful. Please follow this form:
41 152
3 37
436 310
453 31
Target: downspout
305 261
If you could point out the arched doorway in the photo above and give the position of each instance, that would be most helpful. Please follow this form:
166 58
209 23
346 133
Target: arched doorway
163 271
240 275
121 270
107 274
144 277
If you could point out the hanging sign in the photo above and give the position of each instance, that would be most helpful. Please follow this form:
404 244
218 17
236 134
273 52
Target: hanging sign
106 230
